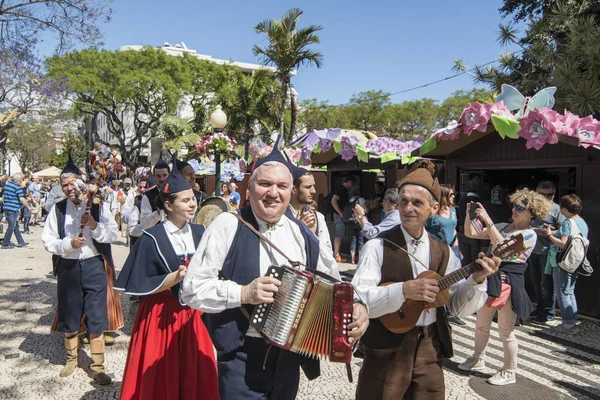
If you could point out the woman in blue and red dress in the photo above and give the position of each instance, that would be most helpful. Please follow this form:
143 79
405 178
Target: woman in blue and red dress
170 354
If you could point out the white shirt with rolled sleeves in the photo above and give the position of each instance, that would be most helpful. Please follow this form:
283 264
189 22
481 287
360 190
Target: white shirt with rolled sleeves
149 218
105 232
202 289
129 204
466 296
133 223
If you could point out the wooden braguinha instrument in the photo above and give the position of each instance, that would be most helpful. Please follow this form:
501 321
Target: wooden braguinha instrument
407 316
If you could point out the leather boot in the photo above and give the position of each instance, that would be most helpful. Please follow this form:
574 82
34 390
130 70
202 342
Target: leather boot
72 348
98 370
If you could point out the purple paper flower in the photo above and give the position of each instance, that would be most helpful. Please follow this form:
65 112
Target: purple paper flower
349 143
305 156
539 127
589 132
475 117
325 145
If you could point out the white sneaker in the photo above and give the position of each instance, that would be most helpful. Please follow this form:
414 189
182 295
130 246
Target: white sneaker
472 364
566 328
503 378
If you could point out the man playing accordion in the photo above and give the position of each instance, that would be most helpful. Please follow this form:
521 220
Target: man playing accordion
227 272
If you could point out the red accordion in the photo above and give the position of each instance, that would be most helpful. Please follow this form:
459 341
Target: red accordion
309 315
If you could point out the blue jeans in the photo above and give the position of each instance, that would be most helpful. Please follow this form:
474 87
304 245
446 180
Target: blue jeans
356 240
564 287
26 221
12 217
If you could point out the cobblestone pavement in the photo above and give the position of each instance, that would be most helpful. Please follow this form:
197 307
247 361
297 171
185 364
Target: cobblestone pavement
552 365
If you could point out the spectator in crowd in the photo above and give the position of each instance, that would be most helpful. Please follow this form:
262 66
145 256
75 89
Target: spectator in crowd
14 199
338 201
514 307
564 282
469 247
35 187
226 194
391 216
443 224
543 283
235 194
27 213
357 240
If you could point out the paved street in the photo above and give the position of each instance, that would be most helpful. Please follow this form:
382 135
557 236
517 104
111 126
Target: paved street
552 366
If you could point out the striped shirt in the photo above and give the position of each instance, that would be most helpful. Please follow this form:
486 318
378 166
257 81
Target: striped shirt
12 192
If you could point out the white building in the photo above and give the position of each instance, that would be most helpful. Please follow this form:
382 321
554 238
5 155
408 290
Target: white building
184 111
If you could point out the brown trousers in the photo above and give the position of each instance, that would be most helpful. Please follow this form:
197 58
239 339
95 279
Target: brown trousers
411 371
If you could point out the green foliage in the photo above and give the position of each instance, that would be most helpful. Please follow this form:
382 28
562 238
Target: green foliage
32 143
288 49
251 102
74 144
128 87
373 110
558 48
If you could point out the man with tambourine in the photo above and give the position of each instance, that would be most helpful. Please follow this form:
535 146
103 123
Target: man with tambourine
409 364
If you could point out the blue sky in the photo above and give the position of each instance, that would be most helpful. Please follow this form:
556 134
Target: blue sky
390 45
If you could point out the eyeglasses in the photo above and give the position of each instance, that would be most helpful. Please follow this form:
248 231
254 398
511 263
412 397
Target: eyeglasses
518 207
548 195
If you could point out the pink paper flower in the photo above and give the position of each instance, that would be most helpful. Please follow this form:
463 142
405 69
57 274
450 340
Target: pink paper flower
500 109
475 117
450 132
539 127
568 124
589 132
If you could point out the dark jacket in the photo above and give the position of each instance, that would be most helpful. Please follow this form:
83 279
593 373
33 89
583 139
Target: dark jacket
521 304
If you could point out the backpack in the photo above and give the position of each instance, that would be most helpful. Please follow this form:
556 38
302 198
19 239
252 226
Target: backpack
348 213
572 258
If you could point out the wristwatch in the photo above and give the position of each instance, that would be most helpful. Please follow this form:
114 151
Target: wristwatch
361 216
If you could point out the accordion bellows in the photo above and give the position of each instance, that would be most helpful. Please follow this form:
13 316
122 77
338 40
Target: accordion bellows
309 315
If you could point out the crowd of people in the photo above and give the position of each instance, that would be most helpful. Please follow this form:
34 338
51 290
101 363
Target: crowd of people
198 267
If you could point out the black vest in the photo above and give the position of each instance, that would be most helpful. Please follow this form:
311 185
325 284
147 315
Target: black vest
152 194
103 248
242 265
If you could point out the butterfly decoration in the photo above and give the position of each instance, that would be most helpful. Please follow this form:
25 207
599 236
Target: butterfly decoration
514 100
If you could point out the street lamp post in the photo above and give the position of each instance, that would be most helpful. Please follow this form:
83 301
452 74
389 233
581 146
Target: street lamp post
9 158
218 120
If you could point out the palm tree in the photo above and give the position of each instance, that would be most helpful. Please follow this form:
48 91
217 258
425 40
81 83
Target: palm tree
288 49
251 104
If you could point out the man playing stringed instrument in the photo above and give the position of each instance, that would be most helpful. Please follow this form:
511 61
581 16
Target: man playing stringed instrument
409 364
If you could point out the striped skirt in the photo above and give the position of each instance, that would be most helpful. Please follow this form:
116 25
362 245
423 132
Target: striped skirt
114 311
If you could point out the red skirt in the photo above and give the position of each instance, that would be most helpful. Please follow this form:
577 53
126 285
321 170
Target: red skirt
170 354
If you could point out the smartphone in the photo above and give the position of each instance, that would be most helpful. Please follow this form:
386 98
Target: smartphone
475 221
474 207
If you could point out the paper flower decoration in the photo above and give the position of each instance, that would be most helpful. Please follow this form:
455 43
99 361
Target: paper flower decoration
500 110
568 124
539 127
589 132
348 150
475 117
305 156
450 132
325 144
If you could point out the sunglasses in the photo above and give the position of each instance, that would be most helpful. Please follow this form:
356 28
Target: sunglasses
519 207
549 195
